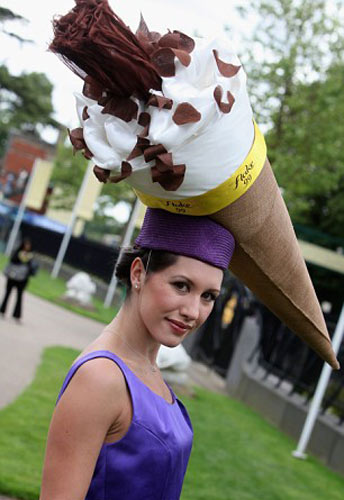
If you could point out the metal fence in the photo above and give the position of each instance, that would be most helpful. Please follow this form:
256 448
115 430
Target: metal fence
279 351
284 355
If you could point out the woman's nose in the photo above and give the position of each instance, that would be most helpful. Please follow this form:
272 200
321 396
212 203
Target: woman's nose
190 307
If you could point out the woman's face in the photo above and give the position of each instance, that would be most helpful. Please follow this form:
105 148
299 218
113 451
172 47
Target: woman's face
174 302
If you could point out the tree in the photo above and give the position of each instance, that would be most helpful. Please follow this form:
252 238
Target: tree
25 100
295 83
8 15
309 156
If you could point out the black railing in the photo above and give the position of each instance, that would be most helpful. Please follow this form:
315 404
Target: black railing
279 352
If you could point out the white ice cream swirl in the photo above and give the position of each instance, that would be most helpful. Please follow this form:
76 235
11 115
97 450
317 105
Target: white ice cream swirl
211 148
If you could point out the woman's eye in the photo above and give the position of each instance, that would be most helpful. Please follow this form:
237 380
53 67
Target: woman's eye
181 286
209 296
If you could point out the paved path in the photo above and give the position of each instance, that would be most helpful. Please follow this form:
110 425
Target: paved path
21 345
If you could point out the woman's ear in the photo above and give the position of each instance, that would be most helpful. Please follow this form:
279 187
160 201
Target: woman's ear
137 273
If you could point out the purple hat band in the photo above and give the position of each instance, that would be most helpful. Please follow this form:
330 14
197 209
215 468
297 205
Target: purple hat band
197 237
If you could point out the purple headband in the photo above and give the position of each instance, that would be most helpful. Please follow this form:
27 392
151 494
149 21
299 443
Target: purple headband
197 237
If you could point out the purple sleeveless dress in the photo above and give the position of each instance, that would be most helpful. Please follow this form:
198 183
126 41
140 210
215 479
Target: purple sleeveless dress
149 462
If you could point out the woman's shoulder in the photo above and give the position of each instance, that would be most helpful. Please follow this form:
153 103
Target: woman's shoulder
100 373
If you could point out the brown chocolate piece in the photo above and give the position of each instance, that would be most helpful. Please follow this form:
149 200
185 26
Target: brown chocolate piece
225 107
121 107
163 60
186 113
160 102
226 69
101 173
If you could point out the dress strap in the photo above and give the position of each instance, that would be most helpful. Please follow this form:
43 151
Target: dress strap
93 355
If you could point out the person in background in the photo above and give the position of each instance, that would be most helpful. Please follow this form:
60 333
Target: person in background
21 266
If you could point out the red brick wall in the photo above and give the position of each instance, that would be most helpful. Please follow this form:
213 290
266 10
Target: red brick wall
21 155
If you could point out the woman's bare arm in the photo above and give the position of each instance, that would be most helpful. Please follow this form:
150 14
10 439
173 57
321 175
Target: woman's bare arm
92 402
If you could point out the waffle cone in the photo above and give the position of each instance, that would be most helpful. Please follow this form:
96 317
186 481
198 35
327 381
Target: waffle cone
268 260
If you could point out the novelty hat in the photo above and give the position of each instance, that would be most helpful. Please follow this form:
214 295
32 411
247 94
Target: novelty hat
197 237
171 115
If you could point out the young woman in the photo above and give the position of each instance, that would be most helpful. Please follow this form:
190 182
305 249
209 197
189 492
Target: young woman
118 431
21 266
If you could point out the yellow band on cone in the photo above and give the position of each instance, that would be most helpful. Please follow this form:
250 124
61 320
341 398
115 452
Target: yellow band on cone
223 195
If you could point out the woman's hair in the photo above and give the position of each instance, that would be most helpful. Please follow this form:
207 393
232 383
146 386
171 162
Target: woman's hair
153 261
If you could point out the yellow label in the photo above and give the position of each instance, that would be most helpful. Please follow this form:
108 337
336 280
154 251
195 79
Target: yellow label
223 195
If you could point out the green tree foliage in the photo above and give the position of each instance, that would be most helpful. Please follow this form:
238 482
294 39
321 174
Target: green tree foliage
309 157
25 100
25 104
8 15
296 81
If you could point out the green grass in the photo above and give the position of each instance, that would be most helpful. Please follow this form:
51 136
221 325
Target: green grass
48 288
236 454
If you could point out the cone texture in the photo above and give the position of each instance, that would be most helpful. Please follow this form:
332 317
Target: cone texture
268 260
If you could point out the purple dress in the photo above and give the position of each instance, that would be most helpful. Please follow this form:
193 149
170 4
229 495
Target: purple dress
149 462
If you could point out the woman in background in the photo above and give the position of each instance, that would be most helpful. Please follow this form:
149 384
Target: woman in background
21 266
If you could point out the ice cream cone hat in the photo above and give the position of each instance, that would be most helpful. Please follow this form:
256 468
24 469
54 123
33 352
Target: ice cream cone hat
171 115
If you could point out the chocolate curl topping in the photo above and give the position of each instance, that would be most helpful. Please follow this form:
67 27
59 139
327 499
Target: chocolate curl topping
164 162
226 69
164 60
169 180
177 40
140 146
76 137
144 120
148 39
93 41
225 107
101 174
92 89
153 151
126 171
160 102
186 113
121 107
85 114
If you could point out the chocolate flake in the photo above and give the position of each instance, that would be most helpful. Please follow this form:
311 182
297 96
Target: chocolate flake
160 102
153 151
225 107
163 59
92 89
140 146
186 113
226 69
85 114
144 120
164 162
170 180
101 173
126 171
121 107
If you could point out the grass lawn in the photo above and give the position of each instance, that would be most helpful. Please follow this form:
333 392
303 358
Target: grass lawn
236 454
48 288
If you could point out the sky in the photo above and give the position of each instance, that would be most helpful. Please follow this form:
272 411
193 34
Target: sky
200 16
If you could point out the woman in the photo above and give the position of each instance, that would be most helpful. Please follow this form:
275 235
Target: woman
18 272
118 431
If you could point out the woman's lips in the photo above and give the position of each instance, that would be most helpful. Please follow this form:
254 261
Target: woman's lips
178 326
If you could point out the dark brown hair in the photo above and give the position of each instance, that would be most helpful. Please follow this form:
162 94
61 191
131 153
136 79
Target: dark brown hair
157 260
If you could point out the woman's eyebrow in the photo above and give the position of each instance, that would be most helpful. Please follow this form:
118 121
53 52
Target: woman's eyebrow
181 276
